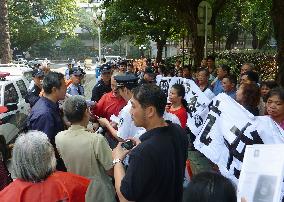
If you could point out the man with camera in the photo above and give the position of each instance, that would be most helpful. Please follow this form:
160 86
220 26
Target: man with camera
156 165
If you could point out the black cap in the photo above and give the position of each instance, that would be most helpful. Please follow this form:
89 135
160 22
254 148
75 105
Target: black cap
128 80
123 63
105 68
150 70
75 72
37 73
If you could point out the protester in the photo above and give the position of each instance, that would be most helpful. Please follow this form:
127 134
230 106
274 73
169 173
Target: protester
186 72
45 115
103 86
211 68
248 95
33 94
247 67
275 105
229 84
36 179
222 71
209 186
110 103
178 104
156 165
178 66
265 87
202 81
75 88
249 77
85 153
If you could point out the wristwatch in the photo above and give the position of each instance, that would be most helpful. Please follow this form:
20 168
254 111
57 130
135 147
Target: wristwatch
115 161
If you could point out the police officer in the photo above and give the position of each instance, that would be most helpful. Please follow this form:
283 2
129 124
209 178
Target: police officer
33 94
103 86
75 88
149 76
126 127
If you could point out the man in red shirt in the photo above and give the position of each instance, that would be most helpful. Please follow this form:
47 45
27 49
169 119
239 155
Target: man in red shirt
110 103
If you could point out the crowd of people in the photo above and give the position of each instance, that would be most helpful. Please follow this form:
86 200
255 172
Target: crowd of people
77 150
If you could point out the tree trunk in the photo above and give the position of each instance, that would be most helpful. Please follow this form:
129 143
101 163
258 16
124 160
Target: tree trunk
5 52
277 18
160 46
254 42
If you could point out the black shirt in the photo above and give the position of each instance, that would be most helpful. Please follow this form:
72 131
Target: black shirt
156 166
99 90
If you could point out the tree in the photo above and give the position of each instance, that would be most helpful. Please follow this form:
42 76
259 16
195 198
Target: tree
277 15
146 20
36 20
5 51
72 47
86 23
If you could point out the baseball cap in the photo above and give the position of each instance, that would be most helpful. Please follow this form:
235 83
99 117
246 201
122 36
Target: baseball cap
150 70
105 68
37 73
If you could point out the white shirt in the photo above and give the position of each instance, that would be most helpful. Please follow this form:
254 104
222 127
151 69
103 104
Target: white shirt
126 126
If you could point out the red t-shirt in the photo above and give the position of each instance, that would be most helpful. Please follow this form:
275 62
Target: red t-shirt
181 114
108 105
60 186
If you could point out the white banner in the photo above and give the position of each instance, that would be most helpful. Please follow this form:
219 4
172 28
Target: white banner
196 99
228 128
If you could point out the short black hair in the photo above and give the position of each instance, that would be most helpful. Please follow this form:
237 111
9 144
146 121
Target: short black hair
225 68
210 57
74 108
205 70
270 84
279 91
232 78
252 76
151 95
52 79
209 186
188 67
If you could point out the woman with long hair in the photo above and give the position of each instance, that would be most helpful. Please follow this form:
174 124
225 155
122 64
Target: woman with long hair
178 105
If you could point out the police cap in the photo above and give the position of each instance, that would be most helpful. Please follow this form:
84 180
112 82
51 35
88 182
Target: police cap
127 80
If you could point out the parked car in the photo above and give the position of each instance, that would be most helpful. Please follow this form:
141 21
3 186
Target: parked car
17 70
38 61
13 90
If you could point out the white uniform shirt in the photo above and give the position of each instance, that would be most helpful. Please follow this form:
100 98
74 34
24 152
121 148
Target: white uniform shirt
126 126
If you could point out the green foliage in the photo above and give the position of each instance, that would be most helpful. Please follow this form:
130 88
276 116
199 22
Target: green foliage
264 62
86 22
37 20
141 20
72 46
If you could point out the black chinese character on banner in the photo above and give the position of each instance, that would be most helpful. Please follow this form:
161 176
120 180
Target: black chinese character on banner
187 88
179 81
240 138
192 105
204 138
164 85
198 120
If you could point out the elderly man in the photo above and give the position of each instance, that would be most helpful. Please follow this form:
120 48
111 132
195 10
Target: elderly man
86 153
34 167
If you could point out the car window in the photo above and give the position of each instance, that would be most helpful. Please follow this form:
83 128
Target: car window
22 87
10 94
28 75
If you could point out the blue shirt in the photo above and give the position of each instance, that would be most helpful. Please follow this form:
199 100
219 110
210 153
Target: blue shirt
232 94
218 88
45 117
75 90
